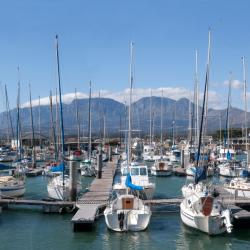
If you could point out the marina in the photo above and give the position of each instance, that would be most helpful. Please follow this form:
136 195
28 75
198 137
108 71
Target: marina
124 125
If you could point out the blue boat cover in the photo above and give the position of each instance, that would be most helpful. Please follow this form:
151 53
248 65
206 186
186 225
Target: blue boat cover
200 174
58 168
131 185
229 157
4 167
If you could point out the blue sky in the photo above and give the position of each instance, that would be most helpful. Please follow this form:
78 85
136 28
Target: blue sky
94 39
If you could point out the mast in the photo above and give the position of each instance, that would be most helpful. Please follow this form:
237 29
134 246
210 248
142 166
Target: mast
53 127
228 110
99 113
57 123
89 123
77 121
33 134
245 102
18 122
197 98
150 118
19 135
8 112
204 101
190 122
60 102
161 120
39 123
173 126
104 128
131 79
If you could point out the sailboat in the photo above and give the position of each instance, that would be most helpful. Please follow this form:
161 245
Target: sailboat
230 167
127 212
162 165
200 209
58 187
14 186
240 186
87 166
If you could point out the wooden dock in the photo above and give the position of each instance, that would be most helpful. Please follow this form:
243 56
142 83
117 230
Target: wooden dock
49 206
95 200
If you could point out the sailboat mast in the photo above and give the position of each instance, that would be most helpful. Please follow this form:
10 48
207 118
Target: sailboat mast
33 134
39 123
161 120
19 143
60 100
245 101
228 110
131 79
57 123
190 122
77 120
204 101
197 96
8 111
150 118
89 123
53 127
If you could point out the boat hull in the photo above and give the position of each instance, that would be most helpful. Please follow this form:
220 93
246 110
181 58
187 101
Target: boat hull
211 225
161 172
13 191
134 220
239 192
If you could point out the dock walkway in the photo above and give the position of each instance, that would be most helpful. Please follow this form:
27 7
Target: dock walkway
95 199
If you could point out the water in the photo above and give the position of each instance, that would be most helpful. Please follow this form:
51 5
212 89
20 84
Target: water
28 228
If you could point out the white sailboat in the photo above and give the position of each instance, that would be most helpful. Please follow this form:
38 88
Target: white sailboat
202 211
88 165
199 208
58 187
162 165
127 212
11 186
240 187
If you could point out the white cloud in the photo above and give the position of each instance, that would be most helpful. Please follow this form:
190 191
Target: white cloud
174 93
235 84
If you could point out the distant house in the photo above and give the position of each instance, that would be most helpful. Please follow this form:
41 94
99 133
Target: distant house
39 140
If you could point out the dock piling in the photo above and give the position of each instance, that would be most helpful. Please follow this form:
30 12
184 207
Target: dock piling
73 166
99 166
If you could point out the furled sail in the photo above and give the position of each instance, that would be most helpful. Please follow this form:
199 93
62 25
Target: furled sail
131 185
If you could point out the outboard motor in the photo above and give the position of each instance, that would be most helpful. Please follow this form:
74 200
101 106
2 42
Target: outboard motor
121 220
227 220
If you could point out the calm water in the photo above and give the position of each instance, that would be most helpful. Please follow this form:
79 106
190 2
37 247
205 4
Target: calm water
28 228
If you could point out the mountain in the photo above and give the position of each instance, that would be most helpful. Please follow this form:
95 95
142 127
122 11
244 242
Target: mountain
109 117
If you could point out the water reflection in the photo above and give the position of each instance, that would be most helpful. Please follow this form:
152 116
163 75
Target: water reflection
189 238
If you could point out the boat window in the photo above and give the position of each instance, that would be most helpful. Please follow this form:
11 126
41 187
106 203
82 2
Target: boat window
143 171
125 171
134 171
177 154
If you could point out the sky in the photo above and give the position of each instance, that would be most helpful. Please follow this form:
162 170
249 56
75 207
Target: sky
94 40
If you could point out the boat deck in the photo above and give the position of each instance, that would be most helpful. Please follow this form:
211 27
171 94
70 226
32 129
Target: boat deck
34 172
